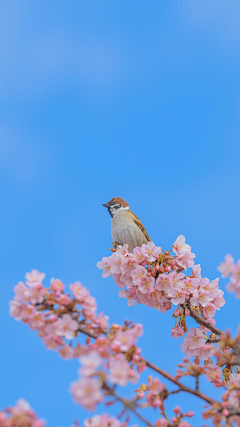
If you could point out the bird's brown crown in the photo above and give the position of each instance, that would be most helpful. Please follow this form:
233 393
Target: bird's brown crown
119 200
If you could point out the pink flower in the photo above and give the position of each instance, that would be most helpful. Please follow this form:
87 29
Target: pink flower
227 267
105 266
213 374
151 252
190 285
67 352
236 272
234 287
233 386
20 292
128 265
123 250
115 261
200 296
34 278
129 294
28 311
122 280
90 362
37 321
102 321
79 292
161 422
137 330
180 246
146 284
138 255
119 370
193 341
56 285
197 271
102 421
124 340
15 310
36 294
205 352
186 260
138 273
163 282
66 327
52 342
177 331
209 310
87 392
141 297
63 299
176 279
155 386
178 295
89 306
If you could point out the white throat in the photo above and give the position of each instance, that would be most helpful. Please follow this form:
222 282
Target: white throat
119 211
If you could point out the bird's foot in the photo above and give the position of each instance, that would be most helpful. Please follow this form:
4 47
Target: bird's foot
115 245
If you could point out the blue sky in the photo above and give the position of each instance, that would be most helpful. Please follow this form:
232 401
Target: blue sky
102 99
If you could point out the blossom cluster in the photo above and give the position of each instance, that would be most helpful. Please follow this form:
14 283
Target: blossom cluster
103 421
110 357
229 268
155 393
156 279
19 416
60 317
228 411
22 415
107 360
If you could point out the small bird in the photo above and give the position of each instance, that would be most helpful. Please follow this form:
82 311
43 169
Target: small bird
126 227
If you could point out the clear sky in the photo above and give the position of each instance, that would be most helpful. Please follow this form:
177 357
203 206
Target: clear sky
112 98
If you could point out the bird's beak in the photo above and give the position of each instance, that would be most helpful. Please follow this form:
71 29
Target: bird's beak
106 205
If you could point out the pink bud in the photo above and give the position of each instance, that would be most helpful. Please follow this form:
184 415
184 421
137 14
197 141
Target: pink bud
225 412
196 361
189 414
177 409
140 394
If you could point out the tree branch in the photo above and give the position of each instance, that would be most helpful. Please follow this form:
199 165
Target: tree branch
203 322
130 405
182 386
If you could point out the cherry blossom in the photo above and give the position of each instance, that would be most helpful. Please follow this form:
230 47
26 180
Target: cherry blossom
87 392
34 278
90 362
109 356
66 326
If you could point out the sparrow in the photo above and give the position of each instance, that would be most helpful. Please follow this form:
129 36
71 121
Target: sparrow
126 227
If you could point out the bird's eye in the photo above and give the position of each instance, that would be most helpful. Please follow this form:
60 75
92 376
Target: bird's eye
117 206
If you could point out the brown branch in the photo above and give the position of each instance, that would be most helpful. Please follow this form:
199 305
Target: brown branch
130 405
213 340
180 385
87 332
155 368
165 374
203 322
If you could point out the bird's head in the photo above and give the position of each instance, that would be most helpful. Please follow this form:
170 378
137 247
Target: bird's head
116 205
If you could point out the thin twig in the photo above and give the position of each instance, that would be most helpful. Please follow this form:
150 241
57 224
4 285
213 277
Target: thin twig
180 385
203 322
130 405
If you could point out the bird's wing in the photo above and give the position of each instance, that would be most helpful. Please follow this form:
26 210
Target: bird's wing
140 225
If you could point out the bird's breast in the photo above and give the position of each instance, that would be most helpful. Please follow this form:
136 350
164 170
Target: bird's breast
126 231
